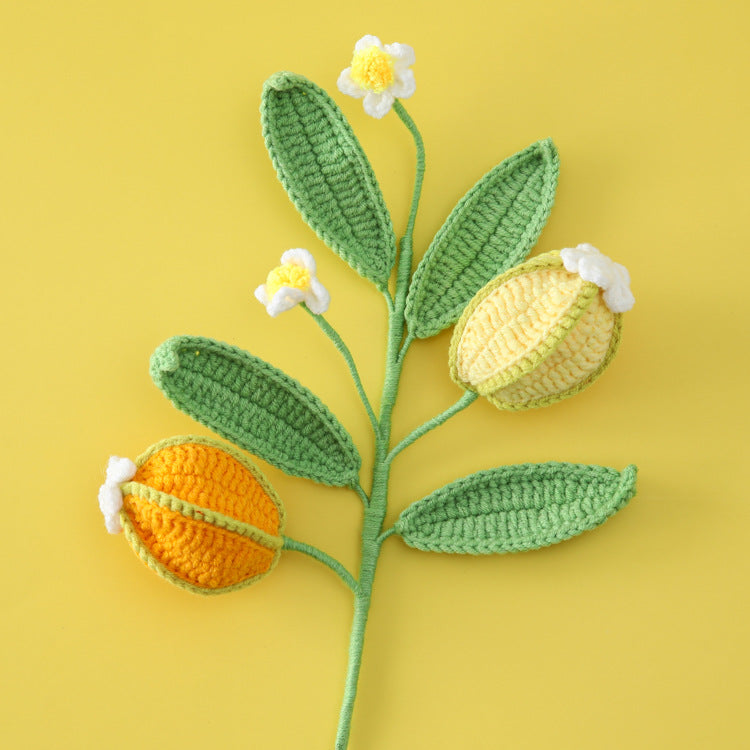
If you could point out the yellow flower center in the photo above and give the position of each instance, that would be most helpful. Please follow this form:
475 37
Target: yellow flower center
372 69
289 274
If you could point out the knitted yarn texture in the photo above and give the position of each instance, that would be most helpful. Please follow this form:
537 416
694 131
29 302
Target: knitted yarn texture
326 174
493 227
202 515
516 508
528 334
533 336
256 406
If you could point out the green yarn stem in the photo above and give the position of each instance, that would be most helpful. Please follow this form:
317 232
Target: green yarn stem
320 556
375 512
468 398
406 245
362 494
419 175
386 534
338 342
405 346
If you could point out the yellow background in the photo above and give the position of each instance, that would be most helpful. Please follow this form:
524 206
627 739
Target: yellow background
138 202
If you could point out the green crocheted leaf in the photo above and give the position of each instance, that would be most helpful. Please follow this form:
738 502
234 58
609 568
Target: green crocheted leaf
516 508
325 172
491 229
257 407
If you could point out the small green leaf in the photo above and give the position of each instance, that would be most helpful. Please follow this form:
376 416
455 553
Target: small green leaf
491 229
516 508
323 168
257 407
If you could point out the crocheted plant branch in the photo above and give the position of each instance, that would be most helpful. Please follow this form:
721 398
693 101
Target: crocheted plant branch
528 333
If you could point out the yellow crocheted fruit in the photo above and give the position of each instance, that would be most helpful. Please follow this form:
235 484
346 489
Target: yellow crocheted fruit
533 336
202 515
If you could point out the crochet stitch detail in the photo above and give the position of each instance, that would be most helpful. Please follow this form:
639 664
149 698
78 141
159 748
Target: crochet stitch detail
580 354
516 508
257 407
493 227
534 336
202 515
326 174
512 320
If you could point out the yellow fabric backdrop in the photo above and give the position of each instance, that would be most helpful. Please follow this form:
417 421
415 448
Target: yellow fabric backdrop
138 202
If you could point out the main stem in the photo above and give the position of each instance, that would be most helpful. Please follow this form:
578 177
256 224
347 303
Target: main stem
373 522
374 514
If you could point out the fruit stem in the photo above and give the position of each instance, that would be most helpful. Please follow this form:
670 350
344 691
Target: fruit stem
468 398
322 557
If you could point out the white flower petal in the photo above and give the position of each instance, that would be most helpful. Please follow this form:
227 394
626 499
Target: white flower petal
298 256
404 85
593 270
347 86
120 470
317 299
597 268
261 295
110 498
112 524
110 502
403 54
284 299
619 299
622 276
378 105
366 42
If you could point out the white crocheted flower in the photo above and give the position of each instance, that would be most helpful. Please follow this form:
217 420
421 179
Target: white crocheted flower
379 73
597 268
119 470
292 282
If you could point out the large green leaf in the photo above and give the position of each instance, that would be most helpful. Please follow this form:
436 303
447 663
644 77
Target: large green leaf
491 229
515 508
257 407
325 172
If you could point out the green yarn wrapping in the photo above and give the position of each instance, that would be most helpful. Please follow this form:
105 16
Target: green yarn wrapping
491 229
323 168
516 508
257 407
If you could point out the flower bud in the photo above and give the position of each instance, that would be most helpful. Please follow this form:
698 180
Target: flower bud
200 514
541 332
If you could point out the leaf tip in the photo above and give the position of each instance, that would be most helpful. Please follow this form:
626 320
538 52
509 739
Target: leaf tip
550 154
165 359
627 487
282 81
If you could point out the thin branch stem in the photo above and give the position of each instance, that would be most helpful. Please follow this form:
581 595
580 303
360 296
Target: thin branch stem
338 342
419 175
388 298
322 557
468 398
362 494
386 534
405 347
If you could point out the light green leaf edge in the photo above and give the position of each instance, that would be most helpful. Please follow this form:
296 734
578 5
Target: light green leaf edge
327 175
516 508
257 407
491 229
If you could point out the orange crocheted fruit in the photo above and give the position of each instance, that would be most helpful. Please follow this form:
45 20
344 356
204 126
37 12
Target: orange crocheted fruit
202 516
